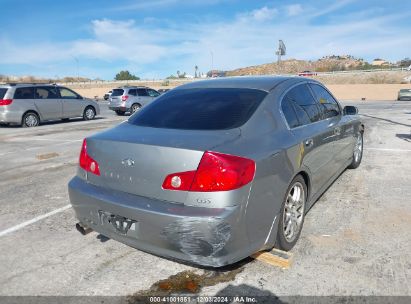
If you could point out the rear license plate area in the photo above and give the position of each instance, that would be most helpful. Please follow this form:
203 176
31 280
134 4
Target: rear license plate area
119 224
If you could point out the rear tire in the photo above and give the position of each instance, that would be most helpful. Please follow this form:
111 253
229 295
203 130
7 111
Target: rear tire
357 153
135 107
89 113
30 119
292 214
120 113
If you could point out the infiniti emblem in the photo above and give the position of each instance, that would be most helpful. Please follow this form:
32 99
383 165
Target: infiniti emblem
128 162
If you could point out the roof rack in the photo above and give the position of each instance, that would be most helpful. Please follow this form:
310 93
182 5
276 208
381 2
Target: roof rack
133 86
30 83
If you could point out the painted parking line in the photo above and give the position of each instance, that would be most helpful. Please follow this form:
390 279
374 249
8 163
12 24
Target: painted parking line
44 139
2 154
32 221
388 150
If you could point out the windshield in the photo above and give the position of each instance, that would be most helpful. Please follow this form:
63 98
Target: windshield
200 109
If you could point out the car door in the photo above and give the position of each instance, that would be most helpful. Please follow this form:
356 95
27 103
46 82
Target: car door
48 102
73 104
312 133
343 130
143 97
132 97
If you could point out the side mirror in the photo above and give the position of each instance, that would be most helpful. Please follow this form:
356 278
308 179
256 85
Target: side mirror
350 110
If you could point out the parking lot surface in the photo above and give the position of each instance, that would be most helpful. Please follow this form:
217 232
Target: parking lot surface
356 239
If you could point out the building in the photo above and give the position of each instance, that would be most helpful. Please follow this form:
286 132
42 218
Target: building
380 62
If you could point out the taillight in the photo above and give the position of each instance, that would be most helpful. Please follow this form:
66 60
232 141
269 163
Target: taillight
124 98
216 172
86 162
5 102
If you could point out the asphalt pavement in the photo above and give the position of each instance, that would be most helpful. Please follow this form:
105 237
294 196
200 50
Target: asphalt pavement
356 239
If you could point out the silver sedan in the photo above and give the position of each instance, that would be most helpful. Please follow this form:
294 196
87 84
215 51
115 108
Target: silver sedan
216 170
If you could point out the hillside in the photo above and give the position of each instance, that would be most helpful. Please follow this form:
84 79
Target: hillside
293 66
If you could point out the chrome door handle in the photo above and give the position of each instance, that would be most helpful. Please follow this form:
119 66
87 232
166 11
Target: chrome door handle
309 142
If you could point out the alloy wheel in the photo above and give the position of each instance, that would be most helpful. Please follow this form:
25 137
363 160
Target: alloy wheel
293 212
358 148
31 120
134 108
90 113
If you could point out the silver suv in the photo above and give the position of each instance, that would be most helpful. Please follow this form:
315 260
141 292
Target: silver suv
29 104
130 98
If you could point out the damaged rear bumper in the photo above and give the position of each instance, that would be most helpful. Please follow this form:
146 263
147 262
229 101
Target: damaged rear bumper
207 236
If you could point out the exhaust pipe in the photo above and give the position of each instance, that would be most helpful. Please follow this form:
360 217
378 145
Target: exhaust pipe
83 229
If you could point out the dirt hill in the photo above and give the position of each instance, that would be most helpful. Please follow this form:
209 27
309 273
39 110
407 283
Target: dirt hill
293 66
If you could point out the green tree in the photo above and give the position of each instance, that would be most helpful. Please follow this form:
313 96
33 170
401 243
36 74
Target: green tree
126 75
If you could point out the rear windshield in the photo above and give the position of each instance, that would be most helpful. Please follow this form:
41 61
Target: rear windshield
2 92
200 109
117 92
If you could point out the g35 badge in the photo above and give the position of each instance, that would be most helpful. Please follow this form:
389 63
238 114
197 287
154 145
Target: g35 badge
204 201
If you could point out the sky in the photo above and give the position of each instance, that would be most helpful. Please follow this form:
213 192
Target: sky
156 38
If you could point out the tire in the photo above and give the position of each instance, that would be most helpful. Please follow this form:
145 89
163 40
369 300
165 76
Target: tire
292 214
30 119
89 113
357 153
120 113
135 107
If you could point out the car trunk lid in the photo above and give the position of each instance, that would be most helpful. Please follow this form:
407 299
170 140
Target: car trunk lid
137 159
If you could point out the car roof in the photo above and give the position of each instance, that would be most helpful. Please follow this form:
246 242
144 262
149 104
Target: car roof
24 84
132 87
264 83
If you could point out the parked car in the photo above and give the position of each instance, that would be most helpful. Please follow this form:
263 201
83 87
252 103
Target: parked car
131 98
30 104
307 73
107 95
404 94
216 170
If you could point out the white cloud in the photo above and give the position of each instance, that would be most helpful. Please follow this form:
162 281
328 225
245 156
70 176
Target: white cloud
294 9
247 39
260 15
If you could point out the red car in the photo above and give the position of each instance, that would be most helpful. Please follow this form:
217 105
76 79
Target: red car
307 73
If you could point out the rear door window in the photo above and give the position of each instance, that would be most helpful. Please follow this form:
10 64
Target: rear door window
68 94
46 93
132 92
24 93
289 113
327 104
117 92
2 93
142 92
305 107
200 109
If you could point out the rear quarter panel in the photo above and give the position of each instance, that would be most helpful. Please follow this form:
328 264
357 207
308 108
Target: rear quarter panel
266 140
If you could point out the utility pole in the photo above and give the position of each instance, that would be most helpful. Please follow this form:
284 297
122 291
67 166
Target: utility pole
78 75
